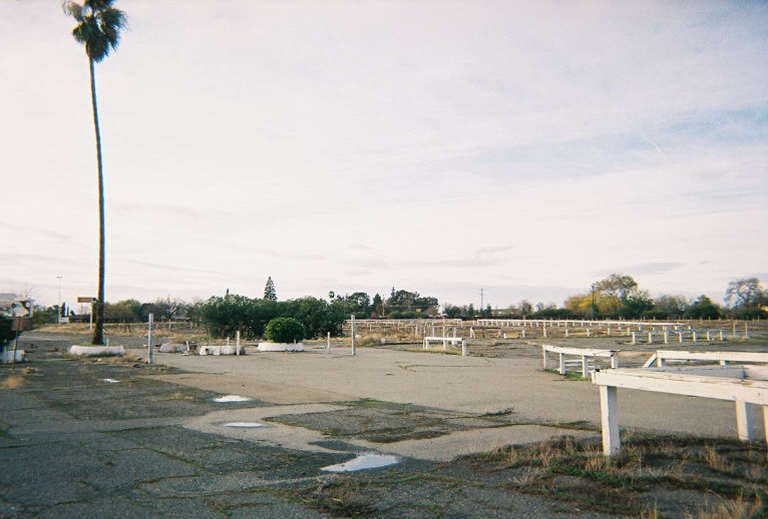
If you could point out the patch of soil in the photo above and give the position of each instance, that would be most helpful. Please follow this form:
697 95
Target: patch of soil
385 422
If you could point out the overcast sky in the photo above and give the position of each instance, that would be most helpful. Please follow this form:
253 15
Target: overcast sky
526 148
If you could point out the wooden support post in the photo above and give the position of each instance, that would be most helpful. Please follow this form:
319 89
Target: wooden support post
765 422
149 339
743 420
609 420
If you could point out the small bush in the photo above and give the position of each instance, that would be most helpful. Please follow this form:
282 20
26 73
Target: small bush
6 333
284 329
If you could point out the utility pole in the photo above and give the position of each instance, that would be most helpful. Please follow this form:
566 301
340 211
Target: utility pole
58 317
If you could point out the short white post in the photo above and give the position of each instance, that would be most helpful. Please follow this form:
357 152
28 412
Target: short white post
471 332
709 335
562 364
680 337
463 347
694 335
608 332
583 366
743 420
650 337
746 331
634 338
614 361
149 339
629 331
722 335
609 420
522 333
237 343
567 331
765 422
589 332
354 346
666 335
328 342
544 358
544 329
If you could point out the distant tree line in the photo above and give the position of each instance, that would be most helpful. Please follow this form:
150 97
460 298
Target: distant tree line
618 296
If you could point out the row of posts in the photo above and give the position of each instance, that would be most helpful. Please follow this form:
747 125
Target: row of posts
634 335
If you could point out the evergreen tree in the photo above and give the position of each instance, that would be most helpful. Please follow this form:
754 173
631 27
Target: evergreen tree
269 290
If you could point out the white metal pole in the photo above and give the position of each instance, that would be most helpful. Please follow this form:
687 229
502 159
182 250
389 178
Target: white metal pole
354 346
149 340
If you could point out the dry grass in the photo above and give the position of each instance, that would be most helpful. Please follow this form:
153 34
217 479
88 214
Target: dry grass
12 382
365 341
651 478
738 508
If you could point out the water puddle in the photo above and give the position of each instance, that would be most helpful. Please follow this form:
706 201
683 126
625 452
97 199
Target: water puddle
243 425
363 462
110 380
232 398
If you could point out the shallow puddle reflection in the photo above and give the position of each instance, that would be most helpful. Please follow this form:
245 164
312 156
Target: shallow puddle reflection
363 462
231 398
243 425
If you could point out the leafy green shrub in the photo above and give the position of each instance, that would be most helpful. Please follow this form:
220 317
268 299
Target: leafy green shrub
6 333
284 329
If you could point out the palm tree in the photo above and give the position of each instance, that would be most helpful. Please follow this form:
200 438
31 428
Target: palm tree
98 28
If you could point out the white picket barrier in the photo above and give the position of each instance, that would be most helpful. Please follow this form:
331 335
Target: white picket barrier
722 357
458 341
582 353
746 387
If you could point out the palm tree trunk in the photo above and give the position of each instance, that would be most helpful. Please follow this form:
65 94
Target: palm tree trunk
98 331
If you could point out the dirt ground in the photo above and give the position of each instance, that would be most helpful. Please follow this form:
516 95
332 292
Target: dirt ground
241 473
